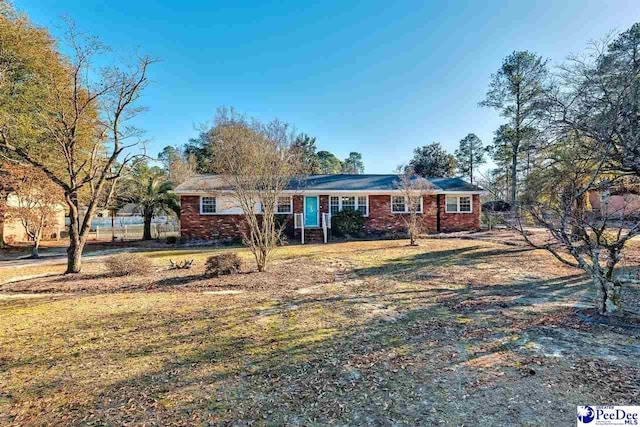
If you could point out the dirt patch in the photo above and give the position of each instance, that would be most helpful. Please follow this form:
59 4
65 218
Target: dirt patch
229 292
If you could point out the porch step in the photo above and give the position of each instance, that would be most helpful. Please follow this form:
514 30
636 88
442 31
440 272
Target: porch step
311 235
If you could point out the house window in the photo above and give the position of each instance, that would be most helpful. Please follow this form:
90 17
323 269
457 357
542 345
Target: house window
334 205
285 205
362 205
464 204
207 205
349 203
418 204
399 204
458 204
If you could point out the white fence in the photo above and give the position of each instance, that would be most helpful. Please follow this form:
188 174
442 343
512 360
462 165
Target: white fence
135 231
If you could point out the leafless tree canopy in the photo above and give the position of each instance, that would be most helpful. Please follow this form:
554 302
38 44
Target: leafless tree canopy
591 148
83 139
36 201
258 163
413 188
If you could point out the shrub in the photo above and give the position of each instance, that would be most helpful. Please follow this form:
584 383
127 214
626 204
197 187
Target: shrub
127 263
347 223
172 240
222 264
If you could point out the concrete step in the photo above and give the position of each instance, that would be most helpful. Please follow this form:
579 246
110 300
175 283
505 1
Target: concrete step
311 235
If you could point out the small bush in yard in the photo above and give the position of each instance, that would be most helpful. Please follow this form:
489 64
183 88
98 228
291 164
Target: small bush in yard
347 222
218 265
128 263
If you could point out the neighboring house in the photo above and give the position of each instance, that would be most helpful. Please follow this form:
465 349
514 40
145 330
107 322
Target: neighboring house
622 204
13 230
209 211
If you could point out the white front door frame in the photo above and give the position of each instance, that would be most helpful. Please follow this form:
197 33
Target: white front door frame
304 210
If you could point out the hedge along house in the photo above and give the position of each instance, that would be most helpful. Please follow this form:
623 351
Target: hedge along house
209 211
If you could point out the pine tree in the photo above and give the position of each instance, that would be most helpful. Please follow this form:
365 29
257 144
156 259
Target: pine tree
469 155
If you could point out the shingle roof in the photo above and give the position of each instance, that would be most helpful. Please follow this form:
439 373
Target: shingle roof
339 182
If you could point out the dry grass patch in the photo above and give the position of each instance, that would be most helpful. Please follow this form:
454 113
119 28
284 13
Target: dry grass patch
362 333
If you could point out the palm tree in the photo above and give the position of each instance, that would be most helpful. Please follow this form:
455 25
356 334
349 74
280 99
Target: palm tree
148 188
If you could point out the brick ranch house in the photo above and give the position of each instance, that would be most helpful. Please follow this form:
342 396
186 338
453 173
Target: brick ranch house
209 212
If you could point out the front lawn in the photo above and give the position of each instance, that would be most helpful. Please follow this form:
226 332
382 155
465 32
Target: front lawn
451 332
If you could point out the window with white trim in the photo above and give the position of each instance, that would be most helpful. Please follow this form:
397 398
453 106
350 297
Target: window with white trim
361 205
349 203
284 205
334 205
207 205
458 204
399 204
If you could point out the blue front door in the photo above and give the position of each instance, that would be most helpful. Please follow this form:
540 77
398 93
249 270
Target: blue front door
311 211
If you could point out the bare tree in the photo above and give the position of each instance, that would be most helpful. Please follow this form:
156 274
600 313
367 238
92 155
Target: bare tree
599 97
34 201
257 162
413 188
178 164
591 144
83 140
578 236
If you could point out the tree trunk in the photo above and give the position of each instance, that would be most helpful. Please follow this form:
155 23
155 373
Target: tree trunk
471 164
113 225
35 249
148 216
515 147
260 263
579 214
514 176
609 297
3 207
74 256
261 259
76 244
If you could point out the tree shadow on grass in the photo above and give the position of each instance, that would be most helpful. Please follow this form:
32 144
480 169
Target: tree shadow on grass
349 366
464 256
270 368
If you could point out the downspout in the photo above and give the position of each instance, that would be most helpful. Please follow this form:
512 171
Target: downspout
438 213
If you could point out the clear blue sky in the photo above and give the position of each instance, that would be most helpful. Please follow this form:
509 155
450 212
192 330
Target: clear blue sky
377 77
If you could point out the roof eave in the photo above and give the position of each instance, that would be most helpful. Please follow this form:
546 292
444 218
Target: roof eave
329 192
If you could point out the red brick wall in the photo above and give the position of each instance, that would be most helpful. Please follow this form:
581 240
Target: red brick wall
207 227
193 225
381 220
460 221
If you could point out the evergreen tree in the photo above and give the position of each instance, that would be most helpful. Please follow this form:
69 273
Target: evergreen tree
517 91
469 155
353 164
329 163
306 147
433 161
